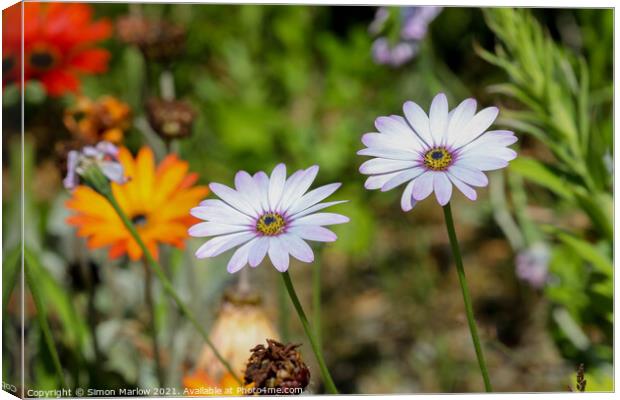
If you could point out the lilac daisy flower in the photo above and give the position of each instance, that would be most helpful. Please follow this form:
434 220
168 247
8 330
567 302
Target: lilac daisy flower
266 215
533 265
104 155
432 153
413 22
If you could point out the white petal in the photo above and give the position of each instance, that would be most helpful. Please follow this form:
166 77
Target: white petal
468 175
262 182
293 190
258 251
278 254
422 186
248 189
377 181
321 219
498 138
442 187
221 213
390 154
380 140
418 120
312 197
317 207
438 117
240 257
204 229
113 171
315 233
402 177
459 119
406 200
503 153
220 244
476 126
397 129
463 187
382 166
297 248
483 163
276 185
232 197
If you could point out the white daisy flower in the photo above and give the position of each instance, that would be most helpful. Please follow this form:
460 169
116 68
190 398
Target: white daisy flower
432 153
266 215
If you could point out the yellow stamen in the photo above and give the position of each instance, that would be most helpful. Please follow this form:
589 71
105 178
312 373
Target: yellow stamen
438 159
271 224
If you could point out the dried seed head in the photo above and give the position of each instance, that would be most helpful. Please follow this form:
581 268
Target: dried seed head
158 40
276 366
171 119
581 380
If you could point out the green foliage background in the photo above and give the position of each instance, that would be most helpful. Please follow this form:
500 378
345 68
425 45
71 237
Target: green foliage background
297 84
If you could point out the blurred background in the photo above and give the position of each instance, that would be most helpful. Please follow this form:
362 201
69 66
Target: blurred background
245 87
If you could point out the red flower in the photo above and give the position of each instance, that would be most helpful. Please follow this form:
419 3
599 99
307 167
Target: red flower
59 41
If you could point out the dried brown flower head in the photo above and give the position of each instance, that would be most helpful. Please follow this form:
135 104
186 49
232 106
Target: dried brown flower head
158 40
91 121
277 366
171 119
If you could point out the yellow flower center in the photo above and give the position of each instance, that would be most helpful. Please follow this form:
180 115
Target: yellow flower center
271 224
438 159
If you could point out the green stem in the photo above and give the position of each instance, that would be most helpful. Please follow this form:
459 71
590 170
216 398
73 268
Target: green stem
42 317
283 313
148 297
329 382
164 280
466 297
316 303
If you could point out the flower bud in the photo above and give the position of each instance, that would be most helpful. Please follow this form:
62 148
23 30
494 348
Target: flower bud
95 166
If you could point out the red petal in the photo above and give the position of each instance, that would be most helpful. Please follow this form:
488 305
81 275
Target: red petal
93 60
59 82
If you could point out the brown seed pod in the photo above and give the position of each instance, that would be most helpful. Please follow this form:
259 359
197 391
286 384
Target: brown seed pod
277 366
158 40
171 119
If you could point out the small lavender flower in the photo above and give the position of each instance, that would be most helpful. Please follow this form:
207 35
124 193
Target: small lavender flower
104 155
414 22
533 265
397 55
417 20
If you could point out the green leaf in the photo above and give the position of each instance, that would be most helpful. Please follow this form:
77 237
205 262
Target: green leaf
57 299
540 174
10 273
584 249
32 270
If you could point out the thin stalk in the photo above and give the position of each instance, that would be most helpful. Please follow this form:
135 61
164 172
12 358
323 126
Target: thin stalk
283 313
165 282
316 303
327 378
87 277
466 297
43 324
148 297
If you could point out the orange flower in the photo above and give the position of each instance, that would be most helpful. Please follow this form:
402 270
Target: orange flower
201 384
156 199
59 41
106 118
